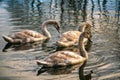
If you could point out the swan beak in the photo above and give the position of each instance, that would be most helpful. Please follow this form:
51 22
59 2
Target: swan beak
60 33
89 39
58 29
57 26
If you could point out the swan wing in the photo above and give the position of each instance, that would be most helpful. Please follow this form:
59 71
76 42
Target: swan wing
68 38
71 35
63 58
32 33
27 36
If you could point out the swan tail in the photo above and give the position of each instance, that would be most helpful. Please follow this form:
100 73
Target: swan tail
8 39
64 44
44 63
60 44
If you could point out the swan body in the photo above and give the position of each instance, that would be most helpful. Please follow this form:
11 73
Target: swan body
70 38
65 58
26 36
62 58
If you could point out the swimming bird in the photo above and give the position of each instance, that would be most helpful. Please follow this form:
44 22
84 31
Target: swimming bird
66 58
28 36
70 38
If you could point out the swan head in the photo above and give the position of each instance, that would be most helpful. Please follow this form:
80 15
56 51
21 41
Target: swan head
85 26
86 34
55 23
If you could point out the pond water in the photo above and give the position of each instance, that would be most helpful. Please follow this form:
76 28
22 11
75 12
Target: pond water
18 62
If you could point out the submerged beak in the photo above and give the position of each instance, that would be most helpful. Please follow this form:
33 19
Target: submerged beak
58 28
60 33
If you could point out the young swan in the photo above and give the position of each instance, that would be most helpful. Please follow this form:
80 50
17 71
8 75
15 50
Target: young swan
65 58
70 38
27 36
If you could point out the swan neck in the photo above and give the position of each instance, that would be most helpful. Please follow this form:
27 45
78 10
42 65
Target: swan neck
81 46
82 28
45 31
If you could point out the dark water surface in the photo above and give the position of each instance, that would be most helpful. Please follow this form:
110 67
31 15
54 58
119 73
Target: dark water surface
18 63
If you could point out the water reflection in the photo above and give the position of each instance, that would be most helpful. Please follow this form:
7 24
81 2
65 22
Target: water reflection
58 70
81 73
25 46
67 70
